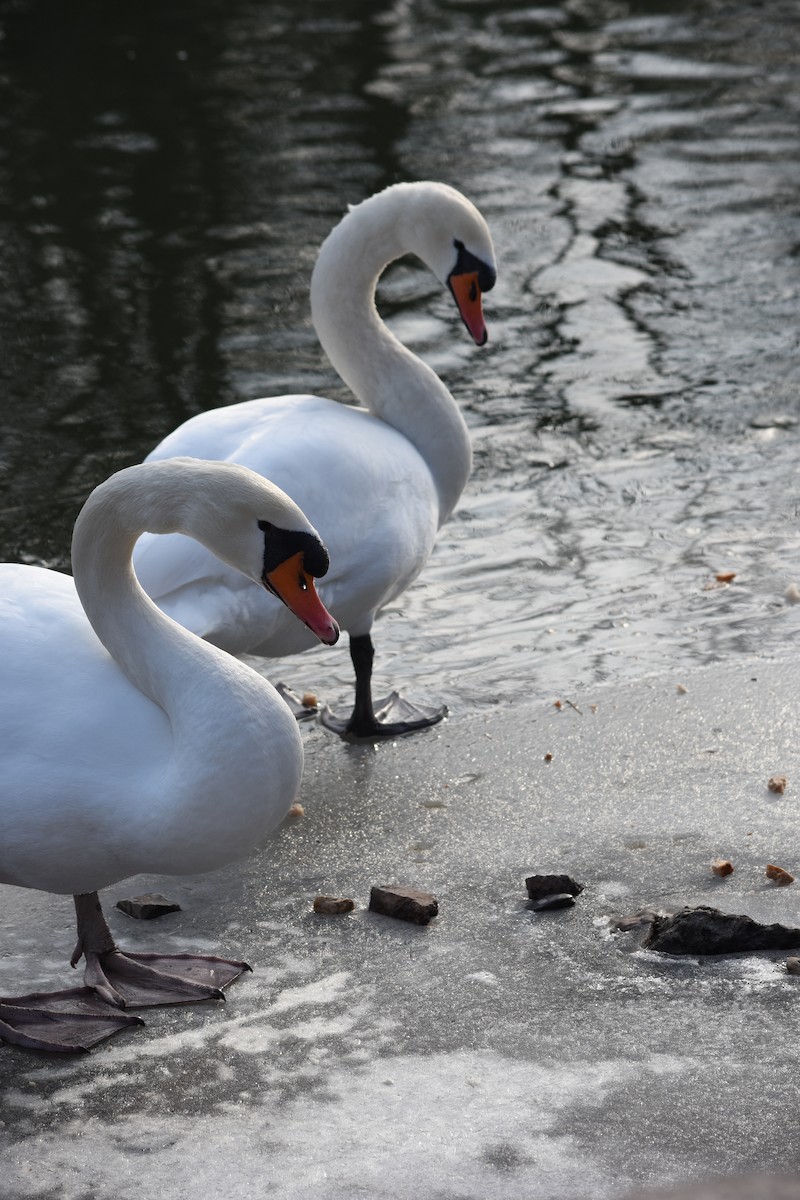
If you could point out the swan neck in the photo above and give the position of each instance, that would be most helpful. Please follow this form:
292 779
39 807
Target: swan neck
392 382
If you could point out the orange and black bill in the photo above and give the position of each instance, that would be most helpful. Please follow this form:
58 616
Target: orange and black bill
292 584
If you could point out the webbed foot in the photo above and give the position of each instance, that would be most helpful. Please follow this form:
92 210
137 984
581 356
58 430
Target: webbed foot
65 1022
140 980
391 717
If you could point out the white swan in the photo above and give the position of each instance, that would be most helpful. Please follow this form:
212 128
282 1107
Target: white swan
377 483
130 745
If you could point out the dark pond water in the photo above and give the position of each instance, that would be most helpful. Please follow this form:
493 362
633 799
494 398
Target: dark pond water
168 171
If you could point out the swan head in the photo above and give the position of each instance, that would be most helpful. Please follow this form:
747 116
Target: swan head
247 522
292 560
451 236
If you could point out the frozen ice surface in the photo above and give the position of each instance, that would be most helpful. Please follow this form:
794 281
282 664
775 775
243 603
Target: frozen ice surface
495 1054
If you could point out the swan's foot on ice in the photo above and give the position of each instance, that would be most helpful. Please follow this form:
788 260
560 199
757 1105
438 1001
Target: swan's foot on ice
391 717
66 1022
300 711
388 718
140 980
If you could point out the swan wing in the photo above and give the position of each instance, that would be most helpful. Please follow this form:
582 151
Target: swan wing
362 485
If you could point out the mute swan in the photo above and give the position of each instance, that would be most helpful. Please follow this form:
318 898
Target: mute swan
130 745
378 483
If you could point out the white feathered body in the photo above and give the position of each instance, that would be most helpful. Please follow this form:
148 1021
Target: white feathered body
375 506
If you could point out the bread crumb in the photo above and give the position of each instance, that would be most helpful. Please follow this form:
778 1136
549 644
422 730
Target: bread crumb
722 866
548 757
309 700
777 783
556 704
296 811
792 594
725 576
681 689
778 875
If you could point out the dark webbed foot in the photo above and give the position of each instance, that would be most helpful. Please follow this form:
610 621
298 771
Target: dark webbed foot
66 1022
141 980
390 717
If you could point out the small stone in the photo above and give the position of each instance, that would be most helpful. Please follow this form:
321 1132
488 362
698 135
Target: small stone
792 594
638 920
793 966
548 757
778 875
722 867
148 907
333 906
551 885
777 783
404 903
296 811
556 900
681 689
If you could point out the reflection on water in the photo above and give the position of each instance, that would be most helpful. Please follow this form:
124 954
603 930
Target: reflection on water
166 175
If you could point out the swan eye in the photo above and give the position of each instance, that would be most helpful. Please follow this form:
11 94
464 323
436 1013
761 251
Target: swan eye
473 291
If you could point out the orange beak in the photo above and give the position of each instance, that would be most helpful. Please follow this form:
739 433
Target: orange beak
292 584
467 295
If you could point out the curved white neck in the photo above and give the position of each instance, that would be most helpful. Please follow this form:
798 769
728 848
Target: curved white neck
228 726
391 381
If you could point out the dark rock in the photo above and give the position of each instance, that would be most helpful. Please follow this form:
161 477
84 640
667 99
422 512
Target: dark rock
333 906
550 885
145 908
704 930
404 903
793 966
557 900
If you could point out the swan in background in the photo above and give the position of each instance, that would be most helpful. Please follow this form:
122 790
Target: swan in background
377 481
129 744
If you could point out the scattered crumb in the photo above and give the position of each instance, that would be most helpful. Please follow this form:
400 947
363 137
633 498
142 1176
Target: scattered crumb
792 594
681 689
722 866
556 704
778 875
593 707
777 783
725 576
309 700
548 757
333 906
793 966
296 811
